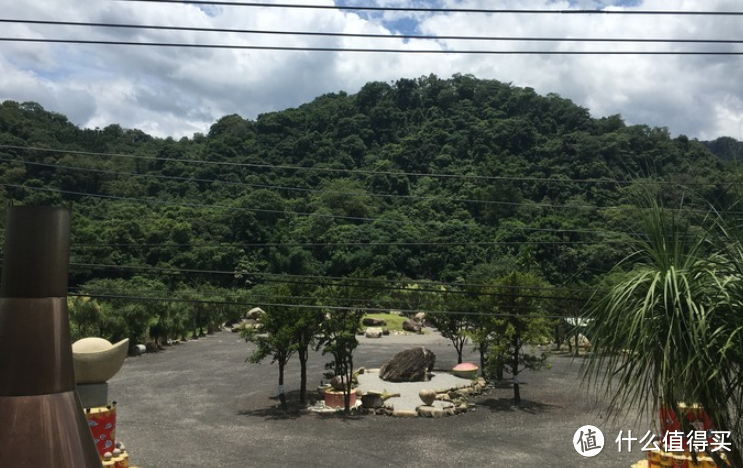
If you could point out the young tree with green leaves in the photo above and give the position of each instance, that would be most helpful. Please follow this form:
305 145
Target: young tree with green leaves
454 322
274 338
307 323
346 300
516 307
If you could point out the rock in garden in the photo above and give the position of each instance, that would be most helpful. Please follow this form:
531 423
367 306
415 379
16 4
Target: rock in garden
411 326
411 365
405 414
430 411
255 313
373 332
427 396
372 400
337 383
373 322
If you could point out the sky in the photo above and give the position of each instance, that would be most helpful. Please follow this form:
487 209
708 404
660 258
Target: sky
177 92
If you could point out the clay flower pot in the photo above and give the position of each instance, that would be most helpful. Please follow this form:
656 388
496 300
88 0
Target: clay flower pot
334 399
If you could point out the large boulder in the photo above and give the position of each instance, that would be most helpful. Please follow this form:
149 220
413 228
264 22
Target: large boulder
411 326
373 332
411 365
256 313
373 322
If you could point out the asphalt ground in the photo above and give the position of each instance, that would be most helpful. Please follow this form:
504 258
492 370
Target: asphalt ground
199 404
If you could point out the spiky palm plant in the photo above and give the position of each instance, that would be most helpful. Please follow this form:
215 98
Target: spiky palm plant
669 330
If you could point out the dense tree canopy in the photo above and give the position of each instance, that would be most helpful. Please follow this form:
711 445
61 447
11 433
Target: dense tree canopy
422 180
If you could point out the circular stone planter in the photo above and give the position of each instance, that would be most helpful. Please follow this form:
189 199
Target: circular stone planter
465 370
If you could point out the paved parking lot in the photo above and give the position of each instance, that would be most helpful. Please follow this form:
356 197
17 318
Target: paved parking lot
200 404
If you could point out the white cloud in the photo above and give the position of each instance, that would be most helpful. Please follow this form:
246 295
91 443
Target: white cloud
179 91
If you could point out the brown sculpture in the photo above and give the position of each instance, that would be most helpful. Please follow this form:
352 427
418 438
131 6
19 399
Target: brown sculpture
41 420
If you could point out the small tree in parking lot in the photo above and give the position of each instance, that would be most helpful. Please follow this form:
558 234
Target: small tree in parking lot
273 337
341 325
515 305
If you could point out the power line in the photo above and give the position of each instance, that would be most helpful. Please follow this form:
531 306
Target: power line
166 245
315 307
335 280
370 36
326 191
297 189
365 50
316 215
353 171
392 304
185 204
444 10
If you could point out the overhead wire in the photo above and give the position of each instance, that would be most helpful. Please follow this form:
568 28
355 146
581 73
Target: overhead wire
190 45
395 50
422 285
352 7
299 189
283 212
394 304
335 279
356 171
370 35
527 204
166 244
317 307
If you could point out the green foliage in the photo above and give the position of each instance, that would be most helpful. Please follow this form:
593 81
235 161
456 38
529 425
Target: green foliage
419 181
454 321
340 326
85 316
513 326
274 338
669 331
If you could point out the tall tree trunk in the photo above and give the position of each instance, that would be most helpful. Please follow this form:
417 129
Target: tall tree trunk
282 395
483 348
459 346
303 354
515 370
348 384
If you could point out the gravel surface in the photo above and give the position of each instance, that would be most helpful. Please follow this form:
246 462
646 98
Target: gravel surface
200 404
409 399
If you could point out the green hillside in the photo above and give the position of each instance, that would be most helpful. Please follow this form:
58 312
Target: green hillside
421 181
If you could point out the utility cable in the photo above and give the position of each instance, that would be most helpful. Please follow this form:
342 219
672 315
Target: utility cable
260 210
352 171
427 286
165 245
444 10
324 307
370 36
525 203
297 189
187 45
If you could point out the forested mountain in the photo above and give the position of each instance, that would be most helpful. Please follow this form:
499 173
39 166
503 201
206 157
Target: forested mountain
429 179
